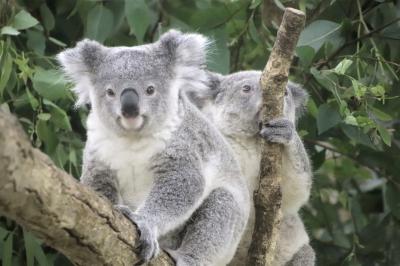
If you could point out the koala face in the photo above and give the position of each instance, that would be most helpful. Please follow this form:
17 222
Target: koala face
236 103
134 90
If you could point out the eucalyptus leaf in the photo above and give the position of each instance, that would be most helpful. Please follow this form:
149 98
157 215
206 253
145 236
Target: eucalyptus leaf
138 16
8 30
23 20
327 118
99 23
320 32
49 84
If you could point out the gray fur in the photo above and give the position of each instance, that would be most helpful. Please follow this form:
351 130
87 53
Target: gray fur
235 108
304 257
170 169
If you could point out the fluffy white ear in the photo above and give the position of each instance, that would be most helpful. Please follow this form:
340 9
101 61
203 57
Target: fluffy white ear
300 97
188 53
79 63
188 49
201 97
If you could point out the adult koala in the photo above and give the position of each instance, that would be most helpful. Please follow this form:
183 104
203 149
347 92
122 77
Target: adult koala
234 105
152 153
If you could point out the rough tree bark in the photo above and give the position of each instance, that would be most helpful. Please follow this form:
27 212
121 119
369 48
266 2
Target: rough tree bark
56 208
268 197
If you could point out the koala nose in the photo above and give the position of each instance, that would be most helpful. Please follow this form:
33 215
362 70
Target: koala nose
129 103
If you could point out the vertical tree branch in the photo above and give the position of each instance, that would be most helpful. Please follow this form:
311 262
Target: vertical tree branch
268 197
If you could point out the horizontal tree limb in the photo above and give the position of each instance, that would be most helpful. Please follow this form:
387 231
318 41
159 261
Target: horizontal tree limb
56 208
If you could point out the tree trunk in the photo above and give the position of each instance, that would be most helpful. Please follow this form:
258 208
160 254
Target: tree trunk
55 207
267 198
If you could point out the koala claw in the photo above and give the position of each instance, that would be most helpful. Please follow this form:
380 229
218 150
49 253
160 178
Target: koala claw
147 246
279 130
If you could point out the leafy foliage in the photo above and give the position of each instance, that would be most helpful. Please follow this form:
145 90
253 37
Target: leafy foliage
348 57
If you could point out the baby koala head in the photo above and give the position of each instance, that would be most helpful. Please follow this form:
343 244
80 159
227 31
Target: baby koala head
135 90
235 102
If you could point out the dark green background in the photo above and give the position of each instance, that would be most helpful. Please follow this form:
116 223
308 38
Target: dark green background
348 57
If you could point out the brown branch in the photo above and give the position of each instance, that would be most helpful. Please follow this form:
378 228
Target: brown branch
267 198
56 208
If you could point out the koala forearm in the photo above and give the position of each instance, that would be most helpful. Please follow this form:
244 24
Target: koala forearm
101 179
165 208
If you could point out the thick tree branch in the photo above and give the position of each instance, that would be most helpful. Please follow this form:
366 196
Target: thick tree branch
267 198
56 208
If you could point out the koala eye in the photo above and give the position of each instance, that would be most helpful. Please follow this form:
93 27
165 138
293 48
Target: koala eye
246 88
110 93
150 90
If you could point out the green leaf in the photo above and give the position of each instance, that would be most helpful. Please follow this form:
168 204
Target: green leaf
44 116
23 20
351 120
359 88
36 41
6 69
380 114
357 135
312 108
359 219
378 91
58 116
39 255
306 55
8 30
29 248
320 32
327 118
34 250
253 31
32 100
255 3
46 135
50 84
47 17
7 251
393 199
99 23
138 16
385 135
342 67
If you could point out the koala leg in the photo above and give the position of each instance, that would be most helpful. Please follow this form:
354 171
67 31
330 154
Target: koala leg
304 257
213 232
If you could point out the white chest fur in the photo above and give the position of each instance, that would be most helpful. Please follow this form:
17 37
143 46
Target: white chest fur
248 153
129 158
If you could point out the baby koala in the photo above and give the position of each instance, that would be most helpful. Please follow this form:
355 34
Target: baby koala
234 104
152 153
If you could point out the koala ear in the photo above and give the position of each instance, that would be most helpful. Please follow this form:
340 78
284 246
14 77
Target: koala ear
201 97
187 49
188 53
300 97
79 63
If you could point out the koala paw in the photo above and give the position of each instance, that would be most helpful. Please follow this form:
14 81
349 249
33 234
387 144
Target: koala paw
147 247
279 130
182 260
